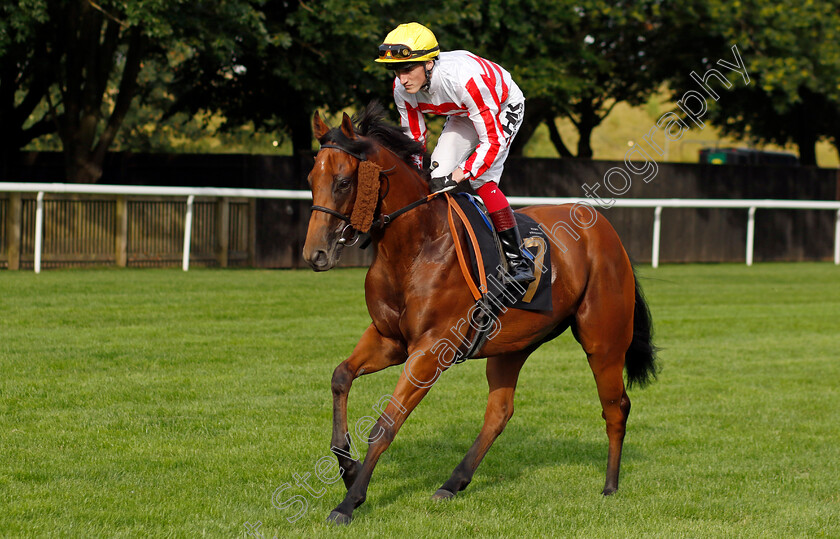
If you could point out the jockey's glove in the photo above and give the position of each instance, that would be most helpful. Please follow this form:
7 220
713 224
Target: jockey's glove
442 184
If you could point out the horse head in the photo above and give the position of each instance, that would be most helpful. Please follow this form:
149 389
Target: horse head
334 184
346 181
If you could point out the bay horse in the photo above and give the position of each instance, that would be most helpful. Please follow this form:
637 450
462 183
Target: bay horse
415 294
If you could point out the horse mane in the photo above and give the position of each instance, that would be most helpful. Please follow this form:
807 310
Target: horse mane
371 123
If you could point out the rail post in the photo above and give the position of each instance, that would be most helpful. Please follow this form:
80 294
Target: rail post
252 232
222 231
39 229
121 232
837 239
750 235
657 227
188 232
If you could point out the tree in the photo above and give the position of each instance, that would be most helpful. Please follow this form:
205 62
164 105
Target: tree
572 58
612 53
316 54
25 76
92 55
792 54
524 38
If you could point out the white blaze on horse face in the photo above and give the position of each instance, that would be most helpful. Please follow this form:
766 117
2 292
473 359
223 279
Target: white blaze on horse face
317 179
321 249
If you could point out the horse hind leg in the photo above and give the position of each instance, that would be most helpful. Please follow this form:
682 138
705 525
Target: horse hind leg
616 408
502 374
606 359
605 332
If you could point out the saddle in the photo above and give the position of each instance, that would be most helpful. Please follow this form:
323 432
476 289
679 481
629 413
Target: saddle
485 271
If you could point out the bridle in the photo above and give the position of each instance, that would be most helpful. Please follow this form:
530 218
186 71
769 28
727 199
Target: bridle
380 222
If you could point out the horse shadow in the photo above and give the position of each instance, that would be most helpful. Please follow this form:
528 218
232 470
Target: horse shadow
423 461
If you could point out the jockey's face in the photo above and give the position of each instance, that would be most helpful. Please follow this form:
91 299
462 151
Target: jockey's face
413 78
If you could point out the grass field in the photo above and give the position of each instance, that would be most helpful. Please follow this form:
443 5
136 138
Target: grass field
157 403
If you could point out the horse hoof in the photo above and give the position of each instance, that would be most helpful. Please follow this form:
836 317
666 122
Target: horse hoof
608 491
339 519
442 494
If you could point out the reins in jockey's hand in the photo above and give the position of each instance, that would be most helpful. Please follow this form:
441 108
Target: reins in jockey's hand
442 184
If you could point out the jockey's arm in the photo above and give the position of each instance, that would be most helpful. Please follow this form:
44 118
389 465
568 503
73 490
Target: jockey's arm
484 114
412 120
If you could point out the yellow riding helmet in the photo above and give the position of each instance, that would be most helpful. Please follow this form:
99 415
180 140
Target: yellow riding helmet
410 42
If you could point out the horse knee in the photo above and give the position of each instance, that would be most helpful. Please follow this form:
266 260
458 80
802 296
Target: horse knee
508 411
615 412
342 378
382 432
498 418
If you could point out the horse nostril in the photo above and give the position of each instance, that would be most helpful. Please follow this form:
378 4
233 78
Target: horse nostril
320 260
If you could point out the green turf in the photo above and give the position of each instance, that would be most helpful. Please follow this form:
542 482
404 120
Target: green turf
157 403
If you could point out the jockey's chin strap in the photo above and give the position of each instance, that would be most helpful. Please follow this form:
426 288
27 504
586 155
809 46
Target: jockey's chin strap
382 221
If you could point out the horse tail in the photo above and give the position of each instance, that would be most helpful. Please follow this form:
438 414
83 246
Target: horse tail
640 359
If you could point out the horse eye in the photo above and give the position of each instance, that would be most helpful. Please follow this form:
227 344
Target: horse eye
343 184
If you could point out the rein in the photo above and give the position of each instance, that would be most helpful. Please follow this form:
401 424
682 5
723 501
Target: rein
383 220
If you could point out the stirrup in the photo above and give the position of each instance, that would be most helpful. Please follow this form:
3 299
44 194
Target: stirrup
518 274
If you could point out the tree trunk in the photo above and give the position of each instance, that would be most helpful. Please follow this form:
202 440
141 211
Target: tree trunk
535 110
807 143
6 152
300 126
837 147
301 135
79 167
588 120
584 143
83 97
556 139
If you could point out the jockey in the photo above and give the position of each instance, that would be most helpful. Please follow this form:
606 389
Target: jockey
484 109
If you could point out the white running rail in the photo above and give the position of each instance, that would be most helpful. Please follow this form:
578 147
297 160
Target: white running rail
191 192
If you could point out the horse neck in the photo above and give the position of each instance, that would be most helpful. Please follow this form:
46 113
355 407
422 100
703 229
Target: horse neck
404 186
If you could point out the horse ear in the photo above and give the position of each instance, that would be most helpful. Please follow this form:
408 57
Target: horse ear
319 128
347 127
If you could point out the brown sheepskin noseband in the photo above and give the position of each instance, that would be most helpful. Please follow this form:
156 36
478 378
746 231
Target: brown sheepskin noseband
367 196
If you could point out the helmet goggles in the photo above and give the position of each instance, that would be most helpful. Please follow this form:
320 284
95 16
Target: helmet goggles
402 53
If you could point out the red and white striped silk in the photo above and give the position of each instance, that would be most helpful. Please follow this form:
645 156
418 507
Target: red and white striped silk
463 84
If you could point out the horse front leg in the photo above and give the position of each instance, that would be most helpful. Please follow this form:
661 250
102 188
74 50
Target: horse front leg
418 376
373 353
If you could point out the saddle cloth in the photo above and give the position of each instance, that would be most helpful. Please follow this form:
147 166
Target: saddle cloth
538 295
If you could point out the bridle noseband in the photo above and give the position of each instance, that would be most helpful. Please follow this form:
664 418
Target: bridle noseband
382 221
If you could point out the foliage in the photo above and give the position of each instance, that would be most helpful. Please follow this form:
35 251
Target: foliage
91 55
572 59
25 75
318 57
792 52
314 55
83 69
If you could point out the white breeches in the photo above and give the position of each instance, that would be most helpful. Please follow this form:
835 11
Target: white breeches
459 139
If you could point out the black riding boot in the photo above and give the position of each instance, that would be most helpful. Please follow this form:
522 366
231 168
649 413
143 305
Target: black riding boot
518 268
